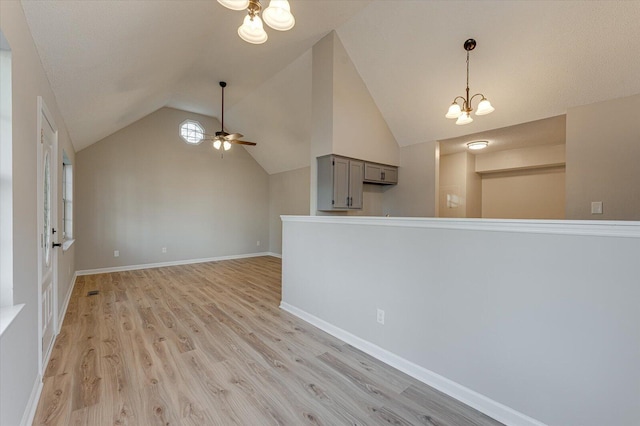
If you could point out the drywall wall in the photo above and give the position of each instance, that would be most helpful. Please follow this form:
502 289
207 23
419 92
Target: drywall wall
415 193
545 322
19 343
603 148
520 158
345 119
460 193
526 194
359 129
284 134
143 188
474 188
288 195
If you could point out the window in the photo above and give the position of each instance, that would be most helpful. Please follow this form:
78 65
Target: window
6 182
67 197
192 132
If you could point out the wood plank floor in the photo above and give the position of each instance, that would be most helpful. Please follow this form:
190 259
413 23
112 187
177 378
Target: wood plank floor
206 344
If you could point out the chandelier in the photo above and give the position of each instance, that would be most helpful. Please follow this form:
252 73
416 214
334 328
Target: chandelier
278 16
463 112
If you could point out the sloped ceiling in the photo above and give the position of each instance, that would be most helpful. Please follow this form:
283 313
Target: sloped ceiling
111 63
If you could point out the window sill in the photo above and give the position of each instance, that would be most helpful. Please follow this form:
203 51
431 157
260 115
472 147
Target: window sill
7 315
66 244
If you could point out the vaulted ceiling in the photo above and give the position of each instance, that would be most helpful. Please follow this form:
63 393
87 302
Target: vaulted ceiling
111 63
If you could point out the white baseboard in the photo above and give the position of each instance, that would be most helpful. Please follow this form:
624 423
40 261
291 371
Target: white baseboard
491 408
67 298
172 263
32 404
278 255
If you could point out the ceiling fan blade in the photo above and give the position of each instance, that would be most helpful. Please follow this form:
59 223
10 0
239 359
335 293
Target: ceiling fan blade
242 142
233 136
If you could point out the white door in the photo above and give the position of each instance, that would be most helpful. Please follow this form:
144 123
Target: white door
47 212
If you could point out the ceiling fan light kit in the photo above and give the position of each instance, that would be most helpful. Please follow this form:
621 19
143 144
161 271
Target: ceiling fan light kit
463 112
278 16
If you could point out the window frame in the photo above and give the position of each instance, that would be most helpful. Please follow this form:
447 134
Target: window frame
186 138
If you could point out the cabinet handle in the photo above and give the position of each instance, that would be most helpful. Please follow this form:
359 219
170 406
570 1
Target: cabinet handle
347 201
382 175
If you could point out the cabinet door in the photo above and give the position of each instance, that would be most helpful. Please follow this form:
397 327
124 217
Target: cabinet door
356 174
389 175
341 183
372 172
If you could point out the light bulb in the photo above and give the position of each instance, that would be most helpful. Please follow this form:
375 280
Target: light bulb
252 30
217 144
484 107
278 15
465 118
226 145
454 111
235 4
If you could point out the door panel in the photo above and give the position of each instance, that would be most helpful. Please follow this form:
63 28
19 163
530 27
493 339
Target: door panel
356 174
341 182
47 208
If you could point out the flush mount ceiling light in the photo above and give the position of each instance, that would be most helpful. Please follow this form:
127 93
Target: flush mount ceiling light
475 145
463 112
278 16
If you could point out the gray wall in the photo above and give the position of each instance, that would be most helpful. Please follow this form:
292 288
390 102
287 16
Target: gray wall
545 323
289 195
415 193
603 149
19 343
143 188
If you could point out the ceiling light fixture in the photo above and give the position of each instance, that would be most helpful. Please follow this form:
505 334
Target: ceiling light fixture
475 145
278 16
463 112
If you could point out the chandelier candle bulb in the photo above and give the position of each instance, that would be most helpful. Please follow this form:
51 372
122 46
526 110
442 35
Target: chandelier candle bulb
463 112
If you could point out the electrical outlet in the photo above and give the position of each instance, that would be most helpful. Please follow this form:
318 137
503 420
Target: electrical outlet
380 316
116 253
164 249
258 243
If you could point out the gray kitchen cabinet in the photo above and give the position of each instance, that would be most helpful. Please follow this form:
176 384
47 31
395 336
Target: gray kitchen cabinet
340 182
380 174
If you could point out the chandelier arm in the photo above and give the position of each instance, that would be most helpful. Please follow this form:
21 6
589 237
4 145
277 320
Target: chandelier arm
477 94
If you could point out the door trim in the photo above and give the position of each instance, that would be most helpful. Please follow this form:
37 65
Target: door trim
43 113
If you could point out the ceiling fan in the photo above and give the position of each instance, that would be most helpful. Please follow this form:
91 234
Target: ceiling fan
223 139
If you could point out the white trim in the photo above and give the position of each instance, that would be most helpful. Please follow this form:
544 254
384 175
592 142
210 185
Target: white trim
66 244
172 263
7 315
602 228
63 311
30 410
491 408
272 254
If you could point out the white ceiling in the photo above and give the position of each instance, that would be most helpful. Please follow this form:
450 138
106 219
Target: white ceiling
111 63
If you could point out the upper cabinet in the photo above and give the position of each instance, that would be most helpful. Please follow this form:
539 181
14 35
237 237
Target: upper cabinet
380 173
340 181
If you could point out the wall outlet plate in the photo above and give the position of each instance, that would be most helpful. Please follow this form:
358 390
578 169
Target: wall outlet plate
596 207
380 316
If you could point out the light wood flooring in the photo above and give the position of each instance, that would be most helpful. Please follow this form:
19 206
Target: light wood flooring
206 344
